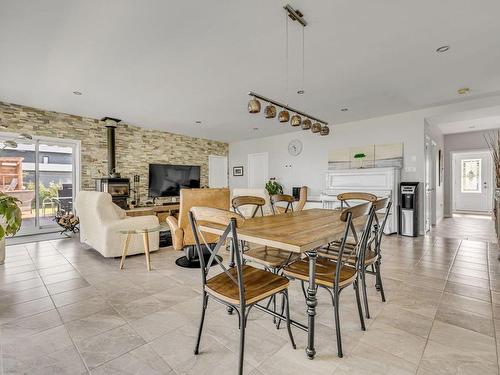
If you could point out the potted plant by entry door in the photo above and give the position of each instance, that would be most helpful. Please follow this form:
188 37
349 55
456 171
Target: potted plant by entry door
10 220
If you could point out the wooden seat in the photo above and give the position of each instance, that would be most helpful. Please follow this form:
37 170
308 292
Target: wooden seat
325 272
270 257
258 285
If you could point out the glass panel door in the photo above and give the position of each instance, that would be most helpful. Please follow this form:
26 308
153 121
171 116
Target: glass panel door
16 180
55 181
471 176
41 173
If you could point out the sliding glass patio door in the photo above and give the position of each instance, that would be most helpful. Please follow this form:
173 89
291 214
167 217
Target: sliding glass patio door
43 174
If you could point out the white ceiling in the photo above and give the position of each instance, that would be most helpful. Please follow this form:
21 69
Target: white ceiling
166 64
464 126
468 121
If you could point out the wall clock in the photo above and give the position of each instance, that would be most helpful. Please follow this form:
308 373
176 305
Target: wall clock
295 147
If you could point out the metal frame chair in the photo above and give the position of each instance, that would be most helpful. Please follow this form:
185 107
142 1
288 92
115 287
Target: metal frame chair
335 276
372 258
240 287
378 230
271 258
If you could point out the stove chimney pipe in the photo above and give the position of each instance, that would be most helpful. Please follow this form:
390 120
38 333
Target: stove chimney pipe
110 130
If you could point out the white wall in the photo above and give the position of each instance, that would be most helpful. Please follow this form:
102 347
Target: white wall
438 137
459 142
308 168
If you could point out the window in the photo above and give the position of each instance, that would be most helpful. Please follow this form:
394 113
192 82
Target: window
471 176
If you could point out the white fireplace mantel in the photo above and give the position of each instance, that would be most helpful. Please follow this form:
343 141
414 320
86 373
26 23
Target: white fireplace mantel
383 182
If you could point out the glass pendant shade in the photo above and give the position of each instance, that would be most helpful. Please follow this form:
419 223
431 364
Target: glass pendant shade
253 106
284 116
325 130
316 127
306 124
295 120
270 111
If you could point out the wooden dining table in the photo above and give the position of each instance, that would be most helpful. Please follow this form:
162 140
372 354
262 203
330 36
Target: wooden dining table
299 232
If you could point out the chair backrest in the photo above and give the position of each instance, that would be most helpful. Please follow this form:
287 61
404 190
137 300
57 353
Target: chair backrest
215 198
254 192
344 198
351 215
302 199
230 221
276 198
379 205
247 200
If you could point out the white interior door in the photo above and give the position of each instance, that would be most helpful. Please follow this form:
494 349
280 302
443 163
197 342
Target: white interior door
472 182
258 170
217 171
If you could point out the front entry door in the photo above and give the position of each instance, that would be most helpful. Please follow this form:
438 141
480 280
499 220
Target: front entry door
472 182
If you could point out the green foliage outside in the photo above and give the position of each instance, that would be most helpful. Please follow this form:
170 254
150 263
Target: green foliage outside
10 215
51 191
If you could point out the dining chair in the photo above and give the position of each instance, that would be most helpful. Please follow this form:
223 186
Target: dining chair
239 287
277 198
271 258
372 256
335 276
382 207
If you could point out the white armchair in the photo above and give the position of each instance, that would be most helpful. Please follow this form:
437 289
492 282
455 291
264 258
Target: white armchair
100 223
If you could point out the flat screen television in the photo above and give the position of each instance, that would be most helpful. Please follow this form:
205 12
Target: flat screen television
166 180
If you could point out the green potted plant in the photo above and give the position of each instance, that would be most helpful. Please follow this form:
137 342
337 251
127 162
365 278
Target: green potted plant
360 156
274 187
10 220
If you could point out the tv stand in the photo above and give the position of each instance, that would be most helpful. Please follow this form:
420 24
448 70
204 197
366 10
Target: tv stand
162 211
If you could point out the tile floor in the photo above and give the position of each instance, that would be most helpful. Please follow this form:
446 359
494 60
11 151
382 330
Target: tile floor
66 310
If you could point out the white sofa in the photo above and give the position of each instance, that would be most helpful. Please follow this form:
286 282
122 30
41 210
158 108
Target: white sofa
247 211
100 223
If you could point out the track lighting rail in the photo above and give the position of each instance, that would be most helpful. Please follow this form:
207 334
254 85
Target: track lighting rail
281 105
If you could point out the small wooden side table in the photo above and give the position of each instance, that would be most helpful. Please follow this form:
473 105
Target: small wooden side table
145 235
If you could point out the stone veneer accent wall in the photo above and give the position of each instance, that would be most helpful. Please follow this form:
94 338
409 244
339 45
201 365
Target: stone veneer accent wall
136 147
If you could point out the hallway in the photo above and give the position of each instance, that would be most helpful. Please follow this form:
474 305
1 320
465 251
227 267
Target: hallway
466 227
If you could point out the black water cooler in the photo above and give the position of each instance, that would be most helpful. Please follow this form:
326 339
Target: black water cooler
408 209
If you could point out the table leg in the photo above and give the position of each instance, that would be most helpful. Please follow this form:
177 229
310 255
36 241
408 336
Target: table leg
146 250
311 303
125 250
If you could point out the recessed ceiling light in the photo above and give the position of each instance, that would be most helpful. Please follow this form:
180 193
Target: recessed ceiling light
472 127
198 122
443 49
344 109
77 93
463 90
255 128
301 92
